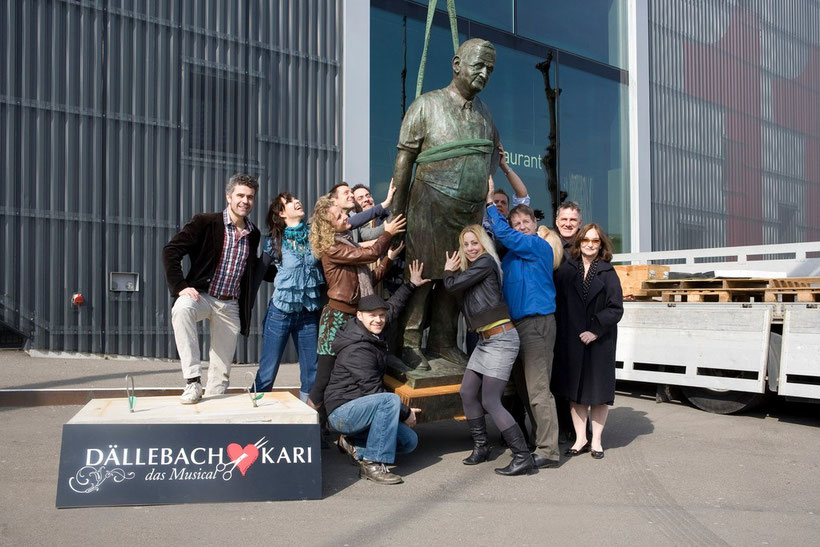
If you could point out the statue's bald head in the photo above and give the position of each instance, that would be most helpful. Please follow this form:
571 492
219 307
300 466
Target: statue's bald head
472 65
475 44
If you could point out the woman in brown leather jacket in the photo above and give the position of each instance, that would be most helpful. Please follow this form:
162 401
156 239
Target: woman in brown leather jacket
348 277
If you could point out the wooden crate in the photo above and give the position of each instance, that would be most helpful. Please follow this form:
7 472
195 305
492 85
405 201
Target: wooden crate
436 403
794 282
713 295
633 276
792 295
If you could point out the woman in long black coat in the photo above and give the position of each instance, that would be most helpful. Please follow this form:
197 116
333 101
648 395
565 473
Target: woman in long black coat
589 305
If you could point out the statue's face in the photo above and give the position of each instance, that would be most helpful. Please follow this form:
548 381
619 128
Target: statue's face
474 69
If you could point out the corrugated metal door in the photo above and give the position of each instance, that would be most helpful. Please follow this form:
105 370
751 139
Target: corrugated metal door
120 121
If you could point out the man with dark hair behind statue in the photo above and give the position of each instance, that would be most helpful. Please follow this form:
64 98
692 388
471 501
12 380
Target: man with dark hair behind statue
450 136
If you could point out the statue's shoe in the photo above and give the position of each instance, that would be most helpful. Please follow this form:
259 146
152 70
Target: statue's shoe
451 353
414 358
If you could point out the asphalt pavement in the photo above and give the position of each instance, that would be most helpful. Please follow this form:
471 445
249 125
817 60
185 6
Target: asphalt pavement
672 475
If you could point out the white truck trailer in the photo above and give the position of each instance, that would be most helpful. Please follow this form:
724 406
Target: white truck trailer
726 357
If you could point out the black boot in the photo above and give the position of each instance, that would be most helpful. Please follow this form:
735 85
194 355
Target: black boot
522 459
481 448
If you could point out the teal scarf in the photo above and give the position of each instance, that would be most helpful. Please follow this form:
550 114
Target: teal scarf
296 237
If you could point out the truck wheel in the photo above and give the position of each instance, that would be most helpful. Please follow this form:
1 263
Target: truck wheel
722 402
731 402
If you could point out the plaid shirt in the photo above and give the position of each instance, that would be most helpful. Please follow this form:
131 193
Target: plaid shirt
232 262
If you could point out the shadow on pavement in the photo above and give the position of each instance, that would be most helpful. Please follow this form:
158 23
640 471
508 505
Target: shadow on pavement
789 410
435 440
81 381
337 472
624 425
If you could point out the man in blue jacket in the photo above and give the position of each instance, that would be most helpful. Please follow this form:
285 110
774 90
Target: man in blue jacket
530 294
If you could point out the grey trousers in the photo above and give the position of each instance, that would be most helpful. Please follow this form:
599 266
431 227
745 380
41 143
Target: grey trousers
224 318
537 335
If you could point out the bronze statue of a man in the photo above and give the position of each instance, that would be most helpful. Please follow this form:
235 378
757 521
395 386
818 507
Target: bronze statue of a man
449 135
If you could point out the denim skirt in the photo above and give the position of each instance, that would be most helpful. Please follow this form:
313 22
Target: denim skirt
495 356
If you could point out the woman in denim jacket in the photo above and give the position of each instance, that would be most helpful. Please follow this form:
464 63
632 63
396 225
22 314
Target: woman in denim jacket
293 310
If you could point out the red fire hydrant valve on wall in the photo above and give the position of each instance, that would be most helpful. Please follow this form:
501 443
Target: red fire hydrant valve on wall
77 299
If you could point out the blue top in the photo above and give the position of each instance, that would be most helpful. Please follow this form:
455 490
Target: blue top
528 286
360 219
298 275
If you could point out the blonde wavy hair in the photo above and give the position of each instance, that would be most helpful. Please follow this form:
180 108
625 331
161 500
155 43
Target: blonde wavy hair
322 234
485 242
552 237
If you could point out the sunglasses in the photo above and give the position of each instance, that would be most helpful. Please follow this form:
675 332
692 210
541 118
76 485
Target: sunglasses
593 240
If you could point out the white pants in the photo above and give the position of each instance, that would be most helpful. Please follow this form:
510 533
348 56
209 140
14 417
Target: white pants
224 317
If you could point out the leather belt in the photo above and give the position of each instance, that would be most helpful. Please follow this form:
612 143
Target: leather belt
485 334
225 298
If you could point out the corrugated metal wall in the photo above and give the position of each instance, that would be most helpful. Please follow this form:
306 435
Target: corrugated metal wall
121 120
735 128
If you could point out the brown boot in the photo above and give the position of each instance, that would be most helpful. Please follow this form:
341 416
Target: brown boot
346 447
377 472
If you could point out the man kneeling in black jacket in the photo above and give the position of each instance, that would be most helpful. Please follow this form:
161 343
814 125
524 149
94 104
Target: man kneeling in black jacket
377 424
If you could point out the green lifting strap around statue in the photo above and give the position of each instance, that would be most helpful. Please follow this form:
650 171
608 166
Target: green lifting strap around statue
455 149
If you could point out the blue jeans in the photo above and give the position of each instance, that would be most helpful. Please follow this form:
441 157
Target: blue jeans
372 423
303 327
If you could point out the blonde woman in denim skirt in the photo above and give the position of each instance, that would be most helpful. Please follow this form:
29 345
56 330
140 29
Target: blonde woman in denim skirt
473 275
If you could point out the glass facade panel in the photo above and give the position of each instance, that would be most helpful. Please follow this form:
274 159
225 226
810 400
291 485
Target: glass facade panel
494 13
387 35
515 95
593 28
593 155
592 127
735 124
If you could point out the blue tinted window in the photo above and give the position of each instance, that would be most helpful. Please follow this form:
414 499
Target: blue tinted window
590 28
592 121
515 95
493 13
386 61
593 150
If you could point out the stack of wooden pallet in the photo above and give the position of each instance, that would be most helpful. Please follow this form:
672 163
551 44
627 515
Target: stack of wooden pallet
633 277
794 289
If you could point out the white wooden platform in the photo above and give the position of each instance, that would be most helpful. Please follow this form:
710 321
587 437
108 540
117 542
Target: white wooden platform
272 408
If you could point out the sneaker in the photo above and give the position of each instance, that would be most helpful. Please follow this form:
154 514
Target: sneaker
216 390
345 447
192 394
377 472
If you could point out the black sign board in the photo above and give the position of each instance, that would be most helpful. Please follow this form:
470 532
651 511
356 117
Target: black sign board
145 464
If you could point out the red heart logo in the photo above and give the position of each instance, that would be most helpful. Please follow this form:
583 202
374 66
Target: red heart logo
244 457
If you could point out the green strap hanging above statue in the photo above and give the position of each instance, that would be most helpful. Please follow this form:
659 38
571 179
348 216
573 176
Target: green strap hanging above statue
458 148
431 10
